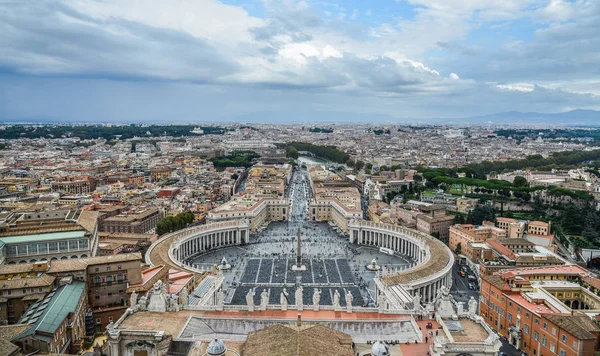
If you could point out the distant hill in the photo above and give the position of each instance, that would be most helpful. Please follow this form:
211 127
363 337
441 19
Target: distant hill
571 118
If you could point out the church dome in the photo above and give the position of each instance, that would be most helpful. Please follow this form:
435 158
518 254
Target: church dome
217 348
379 349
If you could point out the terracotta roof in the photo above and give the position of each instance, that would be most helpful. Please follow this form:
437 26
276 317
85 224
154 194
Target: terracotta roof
580 326
496 281
548 270
16 268
7 332
122 257
290 340
73 264
592 281
149 277
16 283
89 220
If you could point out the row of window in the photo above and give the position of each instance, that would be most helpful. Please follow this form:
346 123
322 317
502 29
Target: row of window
42 248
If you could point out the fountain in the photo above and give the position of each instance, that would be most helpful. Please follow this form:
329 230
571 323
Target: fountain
224 265
373 266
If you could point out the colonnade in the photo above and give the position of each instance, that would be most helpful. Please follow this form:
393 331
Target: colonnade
394 242
413 244
428 292
208 240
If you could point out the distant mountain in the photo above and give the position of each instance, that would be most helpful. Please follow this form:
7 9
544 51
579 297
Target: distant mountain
570 118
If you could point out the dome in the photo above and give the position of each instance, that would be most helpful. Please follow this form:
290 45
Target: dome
217 348
379 349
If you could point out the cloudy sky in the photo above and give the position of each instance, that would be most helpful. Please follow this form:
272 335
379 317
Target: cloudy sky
208 60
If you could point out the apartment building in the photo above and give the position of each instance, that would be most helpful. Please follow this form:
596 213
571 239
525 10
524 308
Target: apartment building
259 212
542 311
141 220
74 185
472 239
106 278
159 173
19 291
57 322
515 228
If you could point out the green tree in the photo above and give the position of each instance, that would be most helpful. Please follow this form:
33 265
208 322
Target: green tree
458 249
291 152
481 213
520 181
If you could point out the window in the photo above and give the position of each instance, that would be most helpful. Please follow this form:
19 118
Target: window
554 331
544 340
526 329
97 269
564 338
563 353
107 268
119 267
110 319
98 321
537 321
575 344
97 297
509 317
535 335
552 347
545 326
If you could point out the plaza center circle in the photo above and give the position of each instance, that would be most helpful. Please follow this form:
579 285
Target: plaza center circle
331 262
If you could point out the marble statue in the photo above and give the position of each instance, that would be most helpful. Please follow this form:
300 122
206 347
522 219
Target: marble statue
133 301
158 298
444 303
220 299
460 308
250 299
143 303
283 299
472 306
110 327
518 321
184 297
173 303
299 301
264 299
382 302
316 299
336 300
417 302
349 299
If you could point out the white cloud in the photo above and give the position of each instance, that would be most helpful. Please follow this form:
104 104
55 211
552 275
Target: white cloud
522 87
296 48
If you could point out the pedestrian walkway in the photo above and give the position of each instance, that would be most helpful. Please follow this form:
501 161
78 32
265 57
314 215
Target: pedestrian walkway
421 348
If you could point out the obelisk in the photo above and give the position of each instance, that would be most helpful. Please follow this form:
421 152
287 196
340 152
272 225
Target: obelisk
299 254
299 266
